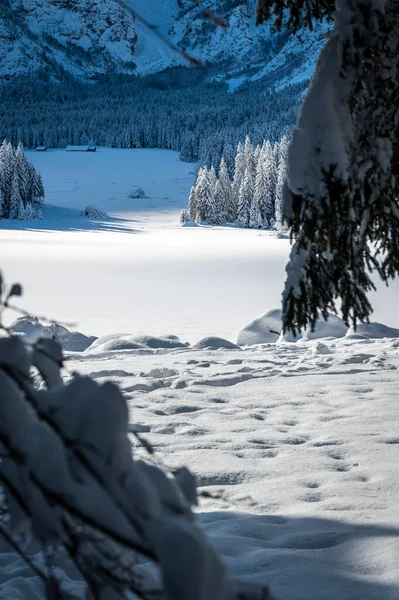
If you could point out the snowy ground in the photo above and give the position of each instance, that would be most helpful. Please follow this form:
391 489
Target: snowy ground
300 441
298 444
138 271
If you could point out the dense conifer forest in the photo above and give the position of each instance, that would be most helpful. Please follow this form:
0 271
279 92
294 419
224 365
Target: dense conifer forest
176 110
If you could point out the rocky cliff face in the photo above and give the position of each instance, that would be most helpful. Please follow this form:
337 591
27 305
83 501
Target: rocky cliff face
88 37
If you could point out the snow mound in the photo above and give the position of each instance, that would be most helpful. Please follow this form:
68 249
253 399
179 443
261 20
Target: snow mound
33 329
375 330
93 212
215 343
265 329
137 192
124 341
334 327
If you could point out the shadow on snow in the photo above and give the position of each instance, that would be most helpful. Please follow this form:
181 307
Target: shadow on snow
308 558
57 218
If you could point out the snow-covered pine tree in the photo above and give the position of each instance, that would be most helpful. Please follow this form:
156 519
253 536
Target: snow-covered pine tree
281 176
212 209
6 174
15 199
341 197
257 153
271 181
21 211
245 198
255 216
204 192
261 187
220 202
249 155
192 205
239 170
22 172
230 206
29 212
37 187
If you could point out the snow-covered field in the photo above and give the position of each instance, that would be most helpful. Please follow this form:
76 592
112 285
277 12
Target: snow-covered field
297 444
138 271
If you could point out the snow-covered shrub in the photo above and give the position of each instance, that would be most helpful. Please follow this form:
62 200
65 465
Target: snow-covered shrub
93 212
137 192
72 482
183 216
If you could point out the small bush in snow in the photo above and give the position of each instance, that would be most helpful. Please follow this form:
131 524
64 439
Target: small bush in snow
92 212
137 192
183 216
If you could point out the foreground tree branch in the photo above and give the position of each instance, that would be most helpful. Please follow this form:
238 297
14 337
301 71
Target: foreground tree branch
341 195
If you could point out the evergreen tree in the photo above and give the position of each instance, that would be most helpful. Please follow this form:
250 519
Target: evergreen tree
271 182
239 170
245 199
257 153
255 217
281 176
22 173
15 199
1 199
204 193
261 187
342 193
192 205
29 212
249 155
213 209
7 158
220 203
21 211
229 206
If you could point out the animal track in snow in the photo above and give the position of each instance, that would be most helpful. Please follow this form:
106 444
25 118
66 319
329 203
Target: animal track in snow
312 485
295 441
341 467
312 497
362 478
323 443
336 454
177 410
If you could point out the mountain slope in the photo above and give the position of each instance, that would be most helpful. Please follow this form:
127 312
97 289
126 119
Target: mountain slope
87 37
84 36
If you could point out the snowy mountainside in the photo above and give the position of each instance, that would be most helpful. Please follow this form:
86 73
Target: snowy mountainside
87 37
243 51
